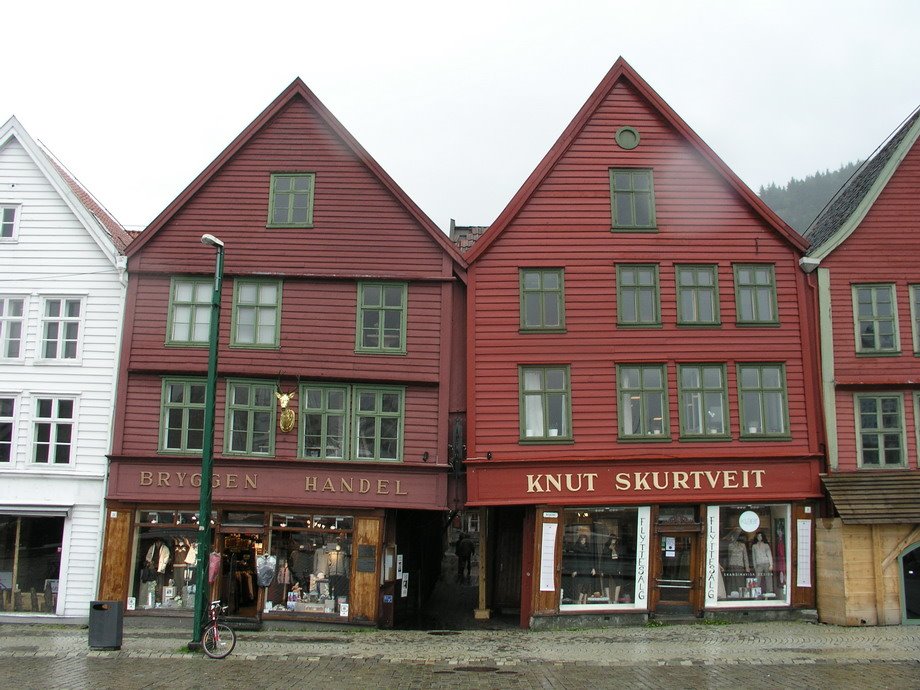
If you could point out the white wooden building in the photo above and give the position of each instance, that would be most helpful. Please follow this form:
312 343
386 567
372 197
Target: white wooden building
62 289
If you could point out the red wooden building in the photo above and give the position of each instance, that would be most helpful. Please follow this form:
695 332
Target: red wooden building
864 249
338 299
643 426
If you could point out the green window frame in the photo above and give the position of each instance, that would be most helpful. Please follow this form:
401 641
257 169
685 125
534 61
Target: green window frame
697 295
915 316
638 298
290 202
182 415
381 318
879 430
377 429
632 199
755 294
250 418
256 313
545 404
542 299
643 394
189 316
703 394
875 316
324 421
764 408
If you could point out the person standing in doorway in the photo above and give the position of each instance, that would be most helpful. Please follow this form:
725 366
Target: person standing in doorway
464 550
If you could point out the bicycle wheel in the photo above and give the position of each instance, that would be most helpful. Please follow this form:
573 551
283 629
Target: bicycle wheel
218 640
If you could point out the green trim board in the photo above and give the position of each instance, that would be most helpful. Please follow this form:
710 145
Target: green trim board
542 296
875 319
755 294
879 419
642 412
189 317
249 427
762 400
182 403
703 395
381 318
697 287
915 316
632 199
638 295
290 201
256 319
544 402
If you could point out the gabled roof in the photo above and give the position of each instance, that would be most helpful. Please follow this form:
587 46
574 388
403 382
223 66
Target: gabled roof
101 225
622 71
298 89
855 198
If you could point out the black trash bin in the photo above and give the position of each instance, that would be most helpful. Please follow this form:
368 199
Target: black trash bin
106 624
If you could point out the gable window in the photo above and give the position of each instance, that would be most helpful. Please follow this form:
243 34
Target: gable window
256 309
632 199
755 294
697 295
378 420
7 422
381 318
54 420
11 325
291 200
250 417
61 320
542 300
880 430
643 401
545 403
323 420
189 311
9 222
703 400
762 392
182 416
637 295
876 319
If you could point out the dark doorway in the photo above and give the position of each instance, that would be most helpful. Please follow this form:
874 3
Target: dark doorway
910 583
505 572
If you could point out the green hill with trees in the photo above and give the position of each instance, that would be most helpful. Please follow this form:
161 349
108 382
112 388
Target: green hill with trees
798 202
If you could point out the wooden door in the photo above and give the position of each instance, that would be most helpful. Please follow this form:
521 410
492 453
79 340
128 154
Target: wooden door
677 564
116 553
506 559
365 587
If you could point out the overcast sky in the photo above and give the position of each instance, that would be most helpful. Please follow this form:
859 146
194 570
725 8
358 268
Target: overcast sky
457 102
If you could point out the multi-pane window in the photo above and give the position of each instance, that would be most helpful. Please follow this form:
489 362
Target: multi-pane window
755 293
381 318
542 299
61 327
291 200
643 401
880 430
762 391
9 216
11 325
182 426
632 199
323 420
876 319
256 309
697 295
378 423
53 439
250 417
190 311
7 422
637 295
545 403
703 400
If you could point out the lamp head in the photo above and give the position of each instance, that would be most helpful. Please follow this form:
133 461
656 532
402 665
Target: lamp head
213 241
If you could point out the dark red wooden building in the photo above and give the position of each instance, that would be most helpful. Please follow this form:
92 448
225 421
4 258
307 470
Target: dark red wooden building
643 420
338 290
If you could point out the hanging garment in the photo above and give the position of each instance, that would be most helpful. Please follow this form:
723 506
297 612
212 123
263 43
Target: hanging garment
158 556
265 569
213 566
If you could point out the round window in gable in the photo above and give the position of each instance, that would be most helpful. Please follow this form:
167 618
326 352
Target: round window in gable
627 138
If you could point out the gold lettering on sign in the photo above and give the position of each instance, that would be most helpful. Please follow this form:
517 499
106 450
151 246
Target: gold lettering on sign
251 481
364 486
231 481
146 478
311 484
183 479
348 486
327 486
695 480
399 491
162 478
573 482
383 486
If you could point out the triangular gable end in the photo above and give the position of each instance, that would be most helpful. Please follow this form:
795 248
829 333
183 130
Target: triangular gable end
298 89
621 70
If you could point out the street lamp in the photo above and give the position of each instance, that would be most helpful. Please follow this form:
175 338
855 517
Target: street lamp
207 445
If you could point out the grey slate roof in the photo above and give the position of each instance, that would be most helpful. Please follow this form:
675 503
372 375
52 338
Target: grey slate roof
465 236
849 196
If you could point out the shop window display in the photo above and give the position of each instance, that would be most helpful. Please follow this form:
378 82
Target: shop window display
166 556
30 563
753 544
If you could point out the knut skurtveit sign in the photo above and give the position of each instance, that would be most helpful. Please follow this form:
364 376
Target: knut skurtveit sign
695 480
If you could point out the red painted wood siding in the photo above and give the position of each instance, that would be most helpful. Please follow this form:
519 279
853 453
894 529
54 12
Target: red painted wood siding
566 224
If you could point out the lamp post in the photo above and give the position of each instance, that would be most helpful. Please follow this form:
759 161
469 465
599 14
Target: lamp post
207 445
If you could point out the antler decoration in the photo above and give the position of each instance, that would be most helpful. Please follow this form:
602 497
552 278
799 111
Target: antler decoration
288 418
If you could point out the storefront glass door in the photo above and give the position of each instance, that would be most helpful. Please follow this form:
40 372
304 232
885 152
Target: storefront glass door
676 556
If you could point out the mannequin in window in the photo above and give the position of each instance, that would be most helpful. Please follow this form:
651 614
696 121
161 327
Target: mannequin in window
738 563
762 558
612 567
583 568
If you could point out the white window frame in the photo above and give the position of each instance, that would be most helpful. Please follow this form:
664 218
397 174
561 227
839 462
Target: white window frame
55 421
13 420
17 209
47 320
5 320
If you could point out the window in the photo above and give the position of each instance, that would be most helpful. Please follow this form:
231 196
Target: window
61 328
703 400
189 311
542 300
632 199
250 418
324 416
697 295
7 425
378 423
643 402
755 294
381 318
762 390
637 295
182 416
545 409
915 315
291 200
9 222
54 419
11 323
880 430
876 319
256 306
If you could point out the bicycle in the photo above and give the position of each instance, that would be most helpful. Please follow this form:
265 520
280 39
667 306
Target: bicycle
218 639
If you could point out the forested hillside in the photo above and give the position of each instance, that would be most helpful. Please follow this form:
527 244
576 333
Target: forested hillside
799 201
